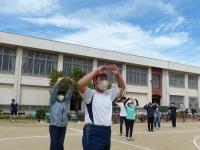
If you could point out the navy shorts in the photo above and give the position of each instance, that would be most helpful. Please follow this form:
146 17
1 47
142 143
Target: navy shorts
96 137
14 113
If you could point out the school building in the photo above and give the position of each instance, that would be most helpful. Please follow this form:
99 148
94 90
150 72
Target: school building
26 62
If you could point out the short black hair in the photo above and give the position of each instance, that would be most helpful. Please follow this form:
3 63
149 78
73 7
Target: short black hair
126 101
61 92
123 97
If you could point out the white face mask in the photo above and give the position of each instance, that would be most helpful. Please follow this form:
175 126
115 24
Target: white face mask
102 85
60 97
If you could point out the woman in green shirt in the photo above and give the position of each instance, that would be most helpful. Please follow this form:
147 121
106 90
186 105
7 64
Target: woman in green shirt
130 106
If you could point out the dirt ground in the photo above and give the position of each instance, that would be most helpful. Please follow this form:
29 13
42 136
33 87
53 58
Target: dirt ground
30 135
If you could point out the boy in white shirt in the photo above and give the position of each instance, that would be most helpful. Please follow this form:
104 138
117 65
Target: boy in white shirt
98 102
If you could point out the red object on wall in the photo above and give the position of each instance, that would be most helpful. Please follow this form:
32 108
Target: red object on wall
157 90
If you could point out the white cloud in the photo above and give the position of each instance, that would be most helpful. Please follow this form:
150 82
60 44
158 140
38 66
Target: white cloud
103 27
28 7
136 8
108 13
59 21
170 26
165 7
171 40
126 38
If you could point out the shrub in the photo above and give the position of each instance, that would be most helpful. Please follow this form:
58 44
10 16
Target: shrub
163 109
40 114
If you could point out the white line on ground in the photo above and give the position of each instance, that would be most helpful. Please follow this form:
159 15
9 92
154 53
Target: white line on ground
158 132
195 142
122 142
32 137
133 145
77 130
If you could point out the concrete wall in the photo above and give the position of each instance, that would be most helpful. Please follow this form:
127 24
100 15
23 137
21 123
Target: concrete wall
6 91
34 95
192 93
142 97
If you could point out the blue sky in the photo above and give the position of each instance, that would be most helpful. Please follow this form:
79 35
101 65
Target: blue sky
159 29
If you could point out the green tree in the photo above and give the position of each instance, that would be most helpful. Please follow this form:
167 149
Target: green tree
76 75
64 85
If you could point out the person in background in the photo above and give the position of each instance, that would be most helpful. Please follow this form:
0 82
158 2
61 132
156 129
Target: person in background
172 109
13 110
123 113
183 112
157 115
150 108
98 106
187 112
140 115
193 111
59 107
168 115
130 106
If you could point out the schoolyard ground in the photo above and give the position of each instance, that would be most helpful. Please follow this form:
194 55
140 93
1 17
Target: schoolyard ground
30 135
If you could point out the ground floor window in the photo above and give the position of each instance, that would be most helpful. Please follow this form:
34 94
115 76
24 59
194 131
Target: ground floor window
194 103
178 100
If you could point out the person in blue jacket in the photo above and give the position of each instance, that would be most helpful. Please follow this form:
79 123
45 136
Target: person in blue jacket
59 107
172 109
150 108
130 105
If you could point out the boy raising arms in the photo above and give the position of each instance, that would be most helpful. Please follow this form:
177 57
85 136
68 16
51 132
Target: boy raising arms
59 103
98 103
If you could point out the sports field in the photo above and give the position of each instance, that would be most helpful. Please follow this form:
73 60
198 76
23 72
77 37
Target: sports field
30 135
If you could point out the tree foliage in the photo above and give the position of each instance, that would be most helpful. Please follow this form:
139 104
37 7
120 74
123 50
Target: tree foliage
64 85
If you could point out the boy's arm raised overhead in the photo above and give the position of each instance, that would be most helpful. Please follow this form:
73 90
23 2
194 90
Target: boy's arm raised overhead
120 80
70 91
55 91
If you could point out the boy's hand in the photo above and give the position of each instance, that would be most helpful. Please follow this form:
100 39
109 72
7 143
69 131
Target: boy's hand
114 69
72 81
102 69
60 79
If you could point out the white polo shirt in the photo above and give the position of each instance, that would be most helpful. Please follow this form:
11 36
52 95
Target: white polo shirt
122 109
98 106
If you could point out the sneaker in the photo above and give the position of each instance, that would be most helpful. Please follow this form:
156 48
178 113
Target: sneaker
120 134
128 138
